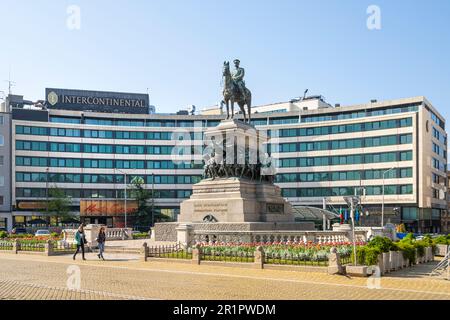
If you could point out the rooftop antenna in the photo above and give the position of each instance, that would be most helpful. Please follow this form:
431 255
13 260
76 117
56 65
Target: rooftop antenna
304 95
10 83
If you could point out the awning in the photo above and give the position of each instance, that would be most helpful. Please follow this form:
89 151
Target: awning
312 213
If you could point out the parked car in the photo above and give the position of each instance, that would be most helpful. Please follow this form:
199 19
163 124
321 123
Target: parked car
42 233
19 230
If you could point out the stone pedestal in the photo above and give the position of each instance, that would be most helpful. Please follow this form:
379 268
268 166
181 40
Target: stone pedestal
91 233
183 234
235 200
236 196
334 262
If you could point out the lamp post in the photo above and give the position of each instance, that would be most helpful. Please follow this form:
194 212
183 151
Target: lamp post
153 199
125 195
382 203
46 191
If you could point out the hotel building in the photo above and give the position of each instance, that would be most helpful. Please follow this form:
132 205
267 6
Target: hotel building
84 143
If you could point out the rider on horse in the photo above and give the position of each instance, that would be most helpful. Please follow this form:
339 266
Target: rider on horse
238 78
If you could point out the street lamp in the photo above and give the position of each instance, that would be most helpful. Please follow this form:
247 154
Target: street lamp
125 196
382 204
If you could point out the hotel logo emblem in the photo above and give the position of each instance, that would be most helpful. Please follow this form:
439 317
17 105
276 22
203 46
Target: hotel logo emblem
52 98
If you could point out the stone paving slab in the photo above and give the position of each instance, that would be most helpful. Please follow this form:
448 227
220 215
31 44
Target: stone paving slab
129 278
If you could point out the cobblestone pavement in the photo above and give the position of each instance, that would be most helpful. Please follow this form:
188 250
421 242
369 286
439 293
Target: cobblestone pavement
126 277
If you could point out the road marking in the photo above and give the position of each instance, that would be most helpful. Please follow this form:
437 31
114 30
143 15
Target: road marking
238 276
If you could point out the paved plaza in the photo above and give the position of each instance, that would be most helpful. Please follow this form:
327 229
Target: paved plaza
127 277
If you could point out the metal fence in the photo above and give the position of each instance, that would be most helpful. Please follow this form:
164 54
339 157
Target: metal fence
61 247
6 245
227 256
295 259
32 247
172 252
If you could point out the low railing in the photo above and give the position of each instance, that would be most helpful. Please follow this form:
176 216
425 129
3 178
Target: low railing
169 252
319 237
227 256
205 253
50 247
6 245
63 247
31 247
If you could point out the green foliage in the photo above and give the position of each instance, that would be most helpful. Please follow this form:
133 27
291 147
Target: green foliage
384 244
420 246
55 235
3 234
141 195
367 256
408 250
59 204
442 240
142 235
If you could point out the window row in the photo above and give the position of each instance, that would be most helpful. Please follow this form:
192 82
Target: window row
345 160
92 148
103 193
104 164
439 151
101 134
439 136
346 144
103 178
362 114
344 175
345 128
346 191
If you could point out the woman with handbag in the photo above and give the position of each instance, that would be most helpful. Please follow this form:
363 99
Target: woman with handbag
101 239
80 239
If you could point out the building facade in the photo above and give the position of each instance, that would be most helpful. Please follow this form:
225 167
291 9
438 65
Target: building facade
320 151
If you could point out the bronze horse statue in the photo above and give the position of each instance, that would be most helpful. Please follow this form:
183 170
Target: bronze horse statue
232 94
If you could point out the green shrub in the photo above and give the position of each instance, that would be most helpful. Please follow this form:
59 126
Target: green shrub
143 235
3 234
372 256
384 244
367 256
408 250
442 240
55 235
420 246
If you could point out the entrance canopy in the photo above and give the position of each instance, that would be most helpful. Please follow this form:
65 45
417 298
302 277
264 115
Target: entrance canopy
312 213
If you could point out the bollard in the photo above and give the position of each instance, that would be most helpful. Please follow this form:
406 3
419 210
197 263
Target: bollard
196 254
16 246
259 257
145 251
334 262
49 248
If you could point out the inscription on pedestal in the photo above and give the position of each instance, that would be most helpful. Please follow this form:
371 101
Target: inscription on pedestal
275 208
209 207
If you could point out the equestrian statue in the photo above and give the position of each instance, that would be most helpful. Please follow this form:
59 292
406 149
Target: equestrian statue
234 90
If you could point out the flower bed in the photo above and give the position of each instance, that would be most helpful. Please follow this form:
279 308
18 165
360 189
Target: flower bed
284 253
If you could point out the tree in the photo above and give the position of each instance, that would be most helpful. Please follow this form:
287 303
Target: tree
58 204
143 214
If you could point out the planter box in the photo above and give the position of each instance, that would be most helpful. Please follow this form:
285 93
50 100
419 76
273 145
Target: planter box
393 260
356 271
381 264
442 250
386 262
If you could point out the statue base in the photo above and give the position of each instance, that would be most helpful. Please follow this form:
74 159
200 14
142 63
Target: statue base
235 200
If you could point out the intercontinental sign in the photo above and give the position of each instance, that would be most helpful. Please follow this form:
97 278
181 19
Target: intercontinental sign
97 101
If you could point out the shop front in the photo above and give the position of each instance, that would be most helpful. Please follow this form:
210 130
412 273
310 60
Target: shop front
108 212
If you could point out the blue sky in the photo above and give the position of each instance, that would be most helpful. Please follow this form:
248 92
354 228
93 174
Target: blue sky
176 49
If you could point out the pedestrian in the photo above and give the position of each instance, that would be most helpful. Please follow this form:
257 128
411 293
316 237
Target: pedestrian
101 239
80 239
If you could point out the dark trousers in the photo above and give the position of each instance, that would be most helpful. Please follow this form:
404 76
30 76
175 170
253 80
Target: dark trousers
78 250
